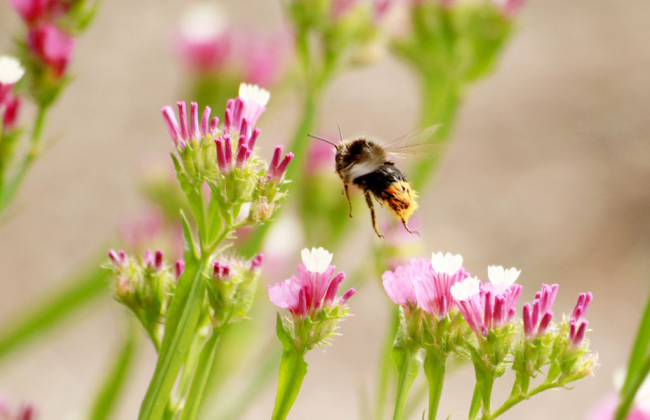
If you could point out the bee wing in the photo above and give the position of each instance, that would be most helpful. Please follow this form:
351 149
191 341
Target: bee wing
414 143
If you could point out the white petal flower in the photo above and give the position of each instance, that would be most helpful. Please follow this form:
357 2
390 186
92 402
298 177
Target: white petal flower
465 289
254 93
316 260
10 70
203 22
498 275
447 263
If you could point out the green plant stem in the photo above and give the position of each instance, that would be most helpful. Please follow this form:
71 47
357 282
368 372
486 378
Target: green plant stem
113 385
182 318
440 101
514 400
385 363
434 369
9 191
476 403
640 350
293 369
53 311
201 374
628 398
407 367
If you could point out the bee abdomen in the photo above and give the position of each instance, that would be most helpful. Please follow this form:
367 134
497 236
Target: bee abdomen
389 185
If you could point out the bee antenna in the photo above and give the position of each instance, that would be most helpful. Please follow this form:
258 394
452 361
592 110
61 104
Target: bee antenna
340 132
314 136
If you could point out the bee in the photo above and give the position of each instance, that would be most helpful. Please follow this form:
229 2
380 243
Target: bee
369 165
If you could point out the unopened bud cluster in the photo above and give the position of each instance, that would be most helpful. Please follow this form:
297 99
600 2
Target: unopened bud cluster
145 285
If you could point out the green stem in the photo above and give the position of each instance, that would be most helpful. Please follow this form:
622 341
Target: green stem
201 374
407 366
9 191
386 364
293 369
627 398
514 400
640 350
440 102
476 403
114 383
182 318
434 369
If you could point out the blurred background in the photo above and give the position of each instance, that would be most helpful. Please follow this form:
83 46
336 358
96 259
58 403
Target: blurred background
548 171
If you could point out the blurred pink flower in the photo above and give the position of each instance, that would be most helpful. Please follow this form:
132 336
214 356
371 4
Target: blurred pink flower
320 157
135 233
12 106
25 412
203 42
51 45
11 71
341 7
313 289
30 10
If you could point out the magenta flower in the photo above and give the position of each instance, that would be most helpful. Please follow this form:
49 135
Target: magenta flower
25 412
278 166
51 45
320 158
341 7
399 285
10 73
488 306
12 106
314 288
30 10
577 322
203 41
537 317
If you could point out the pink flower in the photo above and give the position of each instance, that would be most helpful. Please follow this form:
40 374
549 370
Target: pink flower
511 8
491 305
12 107
538 316
313 289
203 41
135 233
320 157
262 58
341 7
577 322
30 10
278 166
11 72
399 285
433 286
51 45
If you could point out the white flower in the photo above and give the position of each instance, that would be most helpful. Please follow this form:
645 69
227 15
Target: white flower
498 275
203 22
254 93
465 289
10 70
447 264
316 260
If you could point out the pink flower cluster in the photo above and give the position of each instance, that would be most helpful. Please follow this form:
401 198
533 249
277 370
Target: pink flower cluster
241 115
426 283
26 412
538 317
207 46
46 40
314 288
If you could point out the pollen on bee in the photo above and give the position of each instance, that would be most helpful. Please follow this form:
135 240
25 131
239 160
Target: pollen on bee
401 199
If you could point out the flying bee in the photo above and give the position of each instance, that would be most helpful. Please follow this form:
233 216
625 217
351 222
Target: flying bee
368 165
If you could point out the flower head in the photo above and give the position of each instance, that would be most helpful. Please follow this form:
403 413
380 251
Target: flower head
51 45
12 106
314 288
11 71
204 41
577 322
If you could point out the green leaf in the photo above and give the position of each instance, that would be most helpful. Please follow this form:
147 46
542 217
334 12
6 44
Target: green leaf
283 336
180 327
190 247
53 310
113 384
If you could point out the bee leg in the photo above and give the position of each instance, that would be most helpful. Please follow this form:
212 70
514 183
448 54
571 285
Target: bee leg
346 189
406 226
372 213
